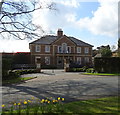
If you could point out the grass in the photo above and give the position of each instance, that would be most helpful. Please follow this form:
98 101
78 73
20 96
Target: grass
16 80
107 105
103 74
102 105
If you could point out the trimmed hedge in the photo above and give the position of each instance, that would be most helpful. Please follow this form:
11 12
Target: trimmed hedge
107 64
83 69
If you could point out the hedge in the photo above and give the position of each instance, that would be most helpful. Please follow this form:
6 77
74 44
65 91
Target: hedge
107 64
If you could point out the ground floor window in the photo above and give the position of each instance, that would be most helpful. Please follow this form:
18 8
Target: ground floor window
47 60
59 60
37 59
87 60
79 60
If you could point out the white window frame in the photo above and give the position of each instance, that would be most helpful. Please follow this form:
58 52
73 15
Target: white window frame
47 60
79 60
64 48
37 48
47 48
87 59
59 49
78 49
86 50
69 49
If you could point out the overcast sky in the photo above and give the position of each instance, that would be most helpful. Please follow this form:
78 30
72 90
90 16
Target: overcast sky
95 22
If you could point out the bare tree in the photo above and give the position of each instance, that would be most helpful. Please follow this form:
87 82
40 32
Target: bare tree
16 18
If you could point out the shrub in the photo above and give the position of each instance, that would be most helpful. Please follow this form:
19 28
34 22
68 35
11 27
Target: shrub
6 66
90 70
83 69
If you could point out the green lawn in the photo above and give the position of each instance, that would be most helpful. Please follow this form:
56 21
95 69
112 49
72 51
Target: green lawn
107 105
16 80
102 105
103 74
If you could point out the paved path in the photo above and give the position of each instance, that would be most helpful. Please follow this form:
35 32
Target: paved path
71 86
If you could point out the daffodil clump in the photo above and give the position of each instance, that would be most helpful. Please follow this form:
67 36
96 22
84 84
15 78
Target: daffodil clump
47 105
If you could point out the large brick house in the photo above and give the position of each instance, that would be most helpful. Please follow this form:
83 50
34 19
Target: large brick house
52 50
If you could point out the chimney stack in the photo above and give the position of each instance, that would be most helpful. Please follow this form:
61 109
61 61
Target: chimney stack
59 33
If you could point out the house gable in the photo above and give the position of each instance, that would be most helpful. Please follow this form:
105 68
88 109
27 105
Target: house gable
64 39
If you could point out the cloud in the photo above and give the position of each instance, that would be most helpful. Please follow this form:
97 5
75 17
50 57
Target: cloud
13 45
104 20
64 15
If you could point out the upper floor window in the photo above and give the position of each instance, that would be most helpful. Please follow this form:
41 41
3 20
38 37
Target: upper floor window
47 48
64 47
78 49
59 49
68 49
86 50
37 48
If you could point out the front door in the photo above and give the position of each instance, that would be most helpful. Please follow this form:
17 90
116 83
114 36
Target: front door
60 62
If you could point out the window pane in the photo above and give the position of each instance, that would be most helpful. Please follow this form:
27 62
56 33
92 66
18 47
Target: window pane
47 60
79 60
78 49
86 50
64 47
59 49
68 49
37 48
47 48
87 59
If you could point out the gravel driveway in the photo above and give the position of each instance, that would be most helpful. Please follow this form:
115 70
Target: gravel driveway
71 86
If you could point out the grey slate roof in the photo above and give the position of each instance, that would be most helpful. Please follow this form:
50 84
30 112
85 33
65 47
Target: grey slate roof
79 42
48 39
45 40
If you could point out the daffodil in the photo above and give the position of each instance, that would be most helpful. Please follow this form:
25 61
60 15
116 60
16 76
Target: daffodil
42 101
53 101
63 99
29 101
3 105
19 103
25 102
48 101
14 104
58 98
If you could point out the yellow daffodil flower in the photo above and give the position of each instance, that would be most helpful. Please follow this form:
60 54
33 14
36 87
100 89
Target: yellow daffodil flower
53 101
63 99
48 101
29 101
14 104
3 105
58 98
25 102
19 103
